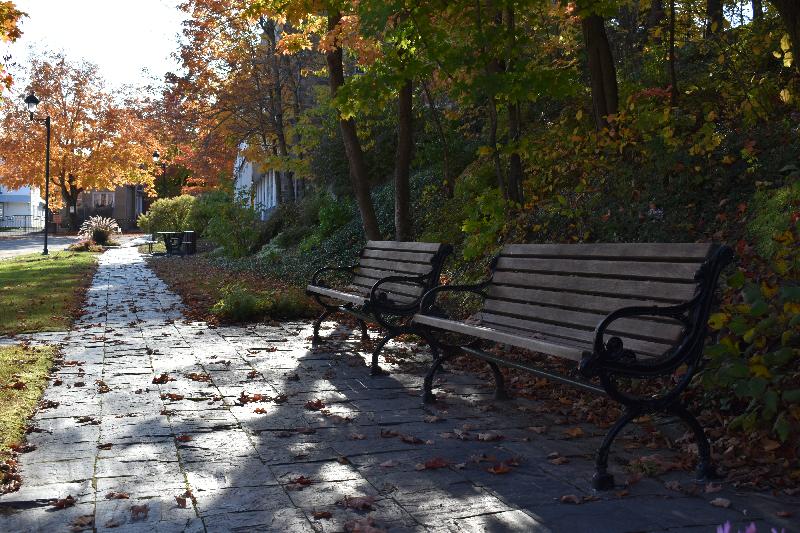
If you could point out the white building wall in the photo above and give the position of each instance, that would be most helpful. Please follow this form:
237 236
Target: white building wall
22 207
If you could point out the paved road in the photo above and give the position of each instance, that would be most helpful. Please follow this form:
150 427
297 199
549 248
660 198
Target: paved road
272 435
33 243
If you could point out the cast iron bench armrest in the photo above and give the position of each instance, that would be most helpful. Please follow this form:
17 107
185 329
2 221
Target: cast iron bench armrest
315 278
380 302
429 299
603 354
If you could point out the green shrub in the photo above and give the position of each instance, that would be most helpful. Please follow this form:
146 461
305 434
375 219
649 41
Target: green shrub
168 214
237 305
772 210
754 368
235 227
205 207
99 229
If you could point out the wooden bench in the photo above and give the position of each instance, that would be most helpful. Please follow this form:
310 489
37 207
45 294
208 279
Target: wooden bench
619 312
385 286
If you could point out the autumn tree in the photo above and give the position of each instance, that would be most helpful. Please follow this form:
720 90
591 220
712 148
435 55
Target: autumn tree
10 17
99 139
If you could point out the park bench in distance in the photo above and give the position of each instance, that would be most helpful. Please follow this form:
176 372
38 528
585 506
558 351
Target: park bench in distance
385 286
620 312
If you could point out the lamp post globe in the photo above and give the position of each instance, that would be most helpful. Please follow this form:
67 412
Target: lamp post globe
156 156
32 103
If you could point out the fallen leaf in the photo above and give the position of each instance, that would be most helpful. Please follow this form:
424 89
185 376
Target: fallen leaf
183 438
260 411
301 480
489 436
319 515
538 429
388 433
102 387
82 522
721 502
63 503
673 485
162 379
783 514
713 487
105 446
570 498
113 495
358 436
201 377
559 460
433 464
358 503
172 396
181 500
430 419
388 464
499 468
139 512
315 405
574 432
411 439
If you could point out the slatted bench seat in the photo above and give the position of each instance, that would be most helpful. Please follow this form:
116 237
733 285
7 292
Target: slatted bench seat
617 311
384 287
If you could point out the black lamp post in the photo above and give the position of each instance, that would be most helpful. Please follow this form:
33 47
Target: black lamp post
32 102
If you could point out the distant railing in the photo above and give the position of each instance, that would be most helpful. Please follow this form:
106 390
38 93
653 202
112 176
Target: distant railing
13 225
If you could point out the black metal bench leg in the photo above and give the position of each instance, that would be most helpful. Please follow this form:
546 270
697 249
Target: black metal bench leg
375 370
427 388
364 331
602 480
325 314
705 467
500 392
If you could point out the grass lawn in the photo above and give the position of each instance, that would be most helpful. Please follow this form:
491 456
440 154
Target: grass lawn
43 293
23 376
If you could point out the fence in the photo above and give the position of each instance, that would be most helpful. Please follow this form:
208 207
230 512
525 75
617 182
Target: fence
13 225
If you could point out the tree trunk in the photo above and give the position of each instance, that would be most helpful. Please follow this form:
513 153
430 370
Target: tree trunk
514 119
498 167
715 18
673 76
448 184
602 72
402 164
789 10
758 10
352 146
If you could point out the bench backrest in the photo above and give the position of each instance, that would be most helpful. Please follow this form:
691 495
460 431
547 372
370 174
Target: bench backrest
563 291
380 259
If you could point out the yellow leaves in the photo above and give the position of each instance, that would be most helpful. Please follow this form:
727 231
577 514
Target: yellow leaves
791 308
718 320
484 151
579 114
786 96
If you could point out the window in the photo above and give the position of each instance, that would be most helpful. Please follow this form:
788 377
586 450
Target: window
103 199
2 210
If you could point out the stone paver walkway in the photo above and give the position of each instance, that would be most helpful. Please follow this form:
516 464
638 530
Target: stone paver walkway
127 448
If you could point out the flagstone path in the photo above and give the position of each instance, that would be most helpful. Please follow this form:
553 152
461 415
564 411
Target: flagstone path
127 445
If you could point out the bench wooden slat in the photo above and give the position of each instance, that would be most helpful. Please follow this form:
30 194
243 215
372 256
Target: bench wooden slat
637 328
573 353
655 271
568 300
412 291
395 266
642 347
399 297
338 295
408 246
662 252
400 256
657 290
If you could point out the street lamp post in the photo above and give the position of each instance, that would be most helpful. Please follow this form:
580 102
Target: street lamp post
32 102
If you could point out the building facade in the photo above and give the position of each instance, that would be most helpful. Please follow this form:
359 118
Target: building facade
124 204
21 208
266 190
